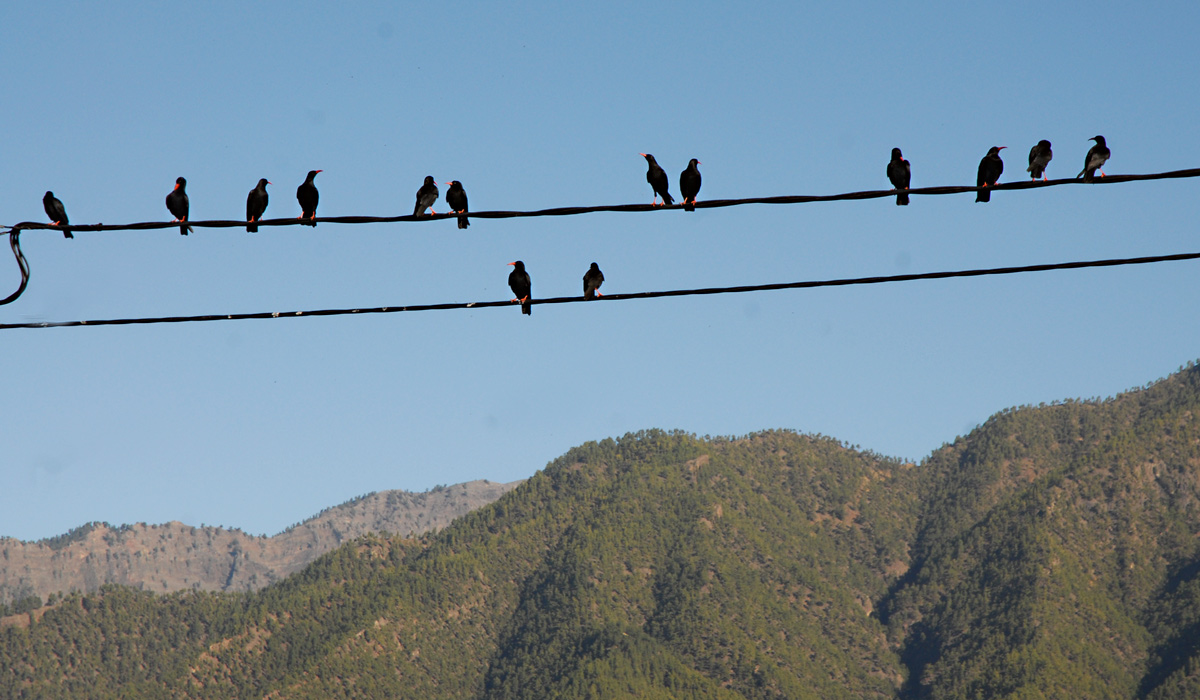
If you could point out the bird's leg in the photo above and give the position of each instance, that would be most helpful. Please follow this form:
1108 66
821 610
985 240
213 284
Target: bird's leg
1102 173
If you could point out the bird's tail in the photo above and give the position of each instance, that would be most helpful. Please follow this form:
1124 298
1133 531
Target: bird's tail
668 200
527 306
311 220
984 195
462 222
251 228
1087 175
67 233
1034 172
184 229
689 205
902 199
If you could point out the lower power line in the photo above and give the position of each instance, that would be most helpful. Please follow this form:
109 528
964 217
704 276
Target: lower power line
620 297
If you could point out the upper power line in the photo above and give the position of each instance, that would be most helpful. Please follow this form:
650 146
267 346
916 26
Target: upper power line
572 211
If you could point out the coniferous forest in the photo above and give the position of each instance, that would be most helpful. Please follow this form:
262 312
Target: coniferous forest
1051 553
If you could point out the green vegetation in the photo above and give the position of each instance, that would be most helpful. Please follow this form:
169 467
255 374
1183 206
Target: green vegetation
1051 553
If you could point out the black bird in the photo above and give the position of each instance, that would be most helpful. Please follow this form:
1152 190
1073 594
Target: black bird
522 286
1039 157
989 172
308 197
592 279
456 199
900 174
1096 156
256 204
426 196
657 177
177 204
689 185
57 213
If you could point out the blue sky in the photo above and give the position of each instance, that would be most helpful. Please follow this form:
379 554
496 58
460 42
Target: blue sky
259 424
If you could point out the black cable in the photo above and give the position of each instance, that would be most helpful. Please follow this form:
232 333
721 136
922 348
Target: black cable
14 240
570 211
622 297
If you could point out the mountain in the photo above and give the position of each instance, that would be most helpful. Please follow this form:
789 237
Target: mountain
175 556
1051 553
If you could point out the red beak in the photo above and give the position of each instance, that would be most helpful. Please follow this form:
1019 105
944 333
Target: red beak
511 263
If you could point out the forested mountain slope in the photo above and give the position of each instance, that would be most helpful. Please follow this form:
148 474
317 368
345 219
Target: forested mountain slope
1050 553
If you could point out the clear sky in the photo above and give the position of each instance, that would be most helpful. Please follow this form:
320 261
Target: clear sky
259 424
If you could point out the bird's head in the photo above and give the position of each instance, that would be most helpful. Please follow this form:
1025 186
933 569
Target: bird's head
180 183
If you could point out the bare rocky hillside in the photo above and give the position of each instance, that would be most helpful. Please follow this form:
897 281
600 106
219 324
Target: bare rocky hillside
175 556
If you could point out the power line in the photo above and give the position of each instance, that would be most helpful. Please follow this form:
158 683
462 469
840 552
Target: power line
14 240
622 297
571 211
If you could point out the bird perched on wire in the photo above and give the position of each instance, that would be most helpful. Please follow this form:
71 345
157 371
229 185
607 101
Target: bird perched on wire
177 204
689 185
308 197
1096 157
989 172
521 286
592 279
57 213
456 199
256 204
426 196
1039 157
657 177
900 174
